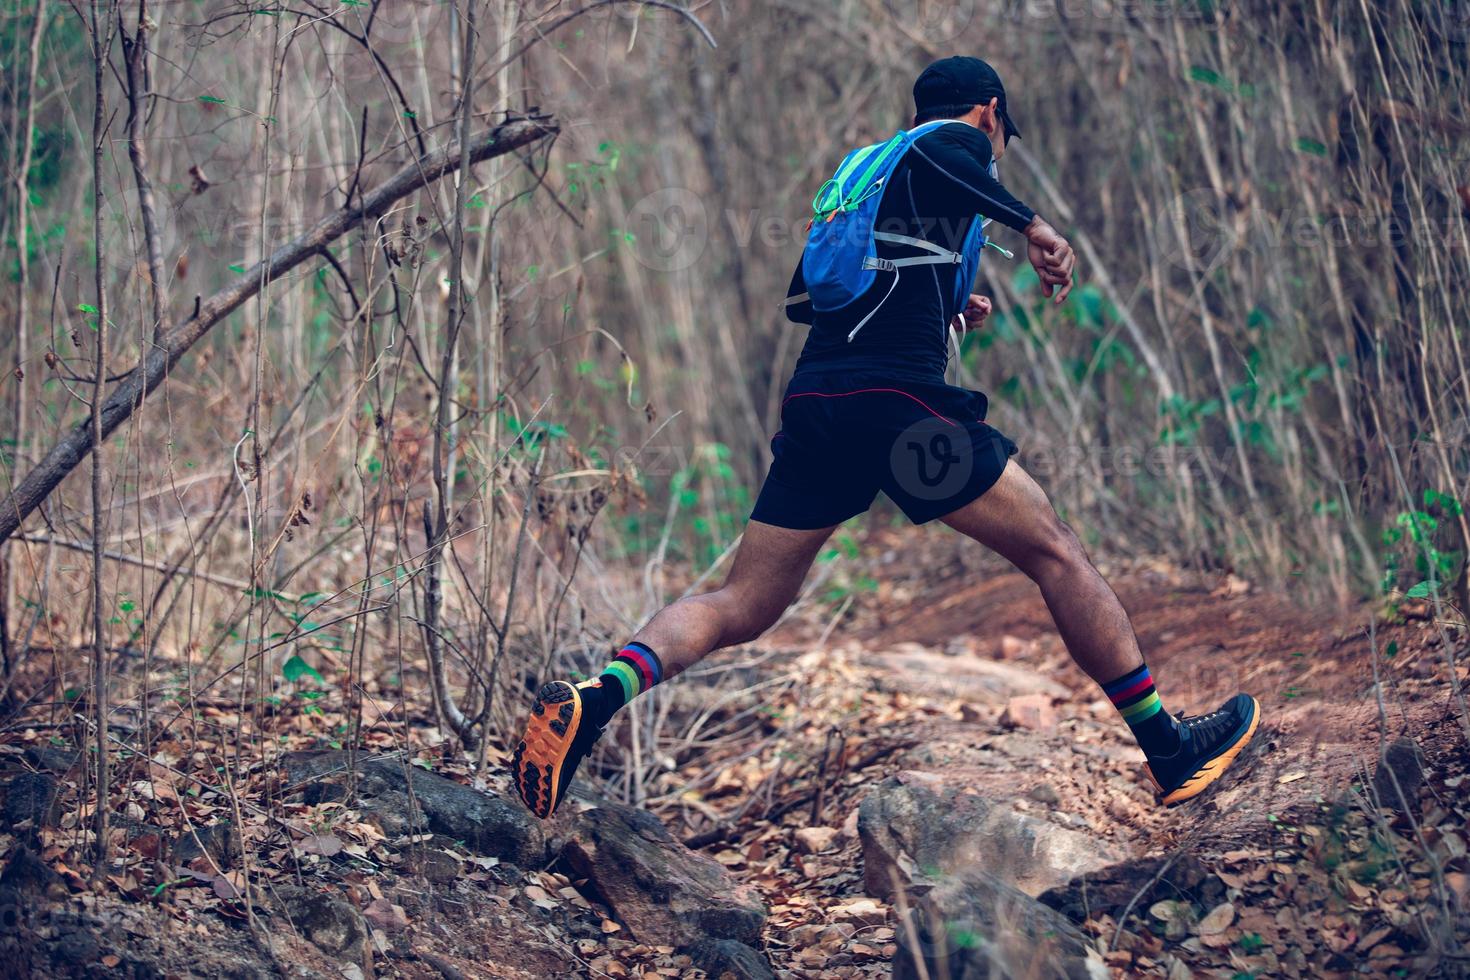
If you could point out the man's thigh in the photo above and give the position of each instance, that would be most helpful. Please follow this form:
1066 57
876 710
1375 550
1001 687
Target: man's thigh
1014 518
772 562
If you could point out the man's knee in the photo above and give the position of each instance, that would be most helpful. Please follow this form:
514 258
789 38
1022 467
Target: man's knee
1057 549
748 613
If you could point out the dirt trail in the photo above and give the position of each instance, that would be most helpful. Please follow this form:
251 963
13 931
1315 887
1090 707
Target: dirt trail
940 728
972 689
1205 638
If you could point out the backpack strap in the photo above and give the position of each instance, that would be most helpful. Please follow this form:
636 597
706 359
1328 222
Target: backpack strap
938 254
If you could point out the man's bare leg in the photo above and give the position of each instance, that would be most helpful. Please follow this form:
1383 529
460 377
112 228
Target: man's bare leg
769 567
1015 519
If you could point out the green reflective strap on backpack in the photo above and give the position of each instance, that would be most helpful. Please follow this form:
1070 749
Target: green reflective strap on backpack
860 190
829 195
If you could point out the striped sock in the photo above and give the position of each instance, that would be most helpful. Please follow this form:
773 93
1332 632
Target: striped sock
634 670
1138 702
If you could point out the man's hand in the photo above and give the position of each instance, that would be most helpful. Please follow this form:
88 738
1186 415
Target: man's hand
975 312
1052 257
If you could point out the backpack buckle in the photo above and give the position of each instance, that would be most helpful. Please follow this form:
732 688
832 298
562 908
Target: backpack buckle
881 264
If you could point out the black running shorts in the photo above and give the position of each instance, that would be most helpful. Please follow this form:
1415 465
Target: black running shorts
925 445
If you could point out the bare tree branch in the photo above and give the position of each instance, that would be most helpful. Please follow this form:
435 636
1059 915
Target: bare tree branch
135 61
161 358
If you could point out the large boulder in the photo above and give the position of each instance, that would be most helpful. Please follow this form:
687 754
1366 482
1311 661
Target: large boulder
924 826
662 892
973 926
408 798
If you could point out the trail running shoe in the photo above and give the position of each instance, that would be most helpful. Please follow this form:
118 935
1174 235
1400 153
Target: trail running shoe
558 737
1208 744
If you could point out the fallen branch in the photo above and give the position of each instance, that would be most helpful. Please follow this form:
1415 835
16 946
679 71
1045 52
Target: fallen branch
161 357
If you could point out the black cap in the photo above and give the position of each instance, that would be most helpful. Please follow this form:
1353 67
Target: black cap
953 83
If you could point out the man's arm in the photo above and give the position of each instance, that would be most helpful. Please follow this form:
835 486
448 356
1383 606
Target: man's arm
960 155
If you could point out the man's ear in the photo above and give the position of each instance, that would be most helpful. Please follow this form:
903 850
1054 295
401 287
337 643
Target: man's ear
990 115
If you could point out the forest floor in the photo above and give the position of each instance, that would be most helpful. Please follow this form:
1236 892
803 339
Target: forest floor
950 683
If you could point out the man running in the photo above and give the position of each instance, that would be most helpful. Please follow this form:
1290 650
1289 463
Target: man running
867 409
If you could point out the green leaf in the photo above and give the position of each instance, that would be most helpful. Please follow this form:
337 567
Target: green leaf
211 99
1422 591
295 668
87 308
1311 146
237 269
1209 76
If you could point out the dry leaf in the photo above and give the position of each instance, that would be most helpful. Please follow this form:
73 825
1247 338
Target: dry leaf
1217 920
324 844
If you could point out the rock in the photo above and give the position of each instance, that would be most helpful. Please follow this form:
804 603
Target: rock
1030 711
52 758
1399 775
326 791
384 915
393 813
431 864
661 891
328 923
814 840
972 926
861 913
77 951
397 793
1045 793
1012 647
726 959
913 669
1142 882
971 715
219 841
29 890
1177 918
922 826
30 796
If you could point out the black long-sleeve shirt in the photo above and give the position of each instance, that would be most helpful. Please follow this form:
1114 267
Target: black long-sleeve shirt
936 191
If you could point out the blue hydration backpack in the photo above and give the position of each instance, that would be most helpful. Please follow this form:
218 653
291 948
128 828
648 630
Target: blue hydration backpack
841 261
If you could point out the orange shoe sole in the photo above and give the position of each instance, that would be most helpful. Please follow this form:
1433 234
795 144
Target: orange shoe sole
1209 773
537 762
